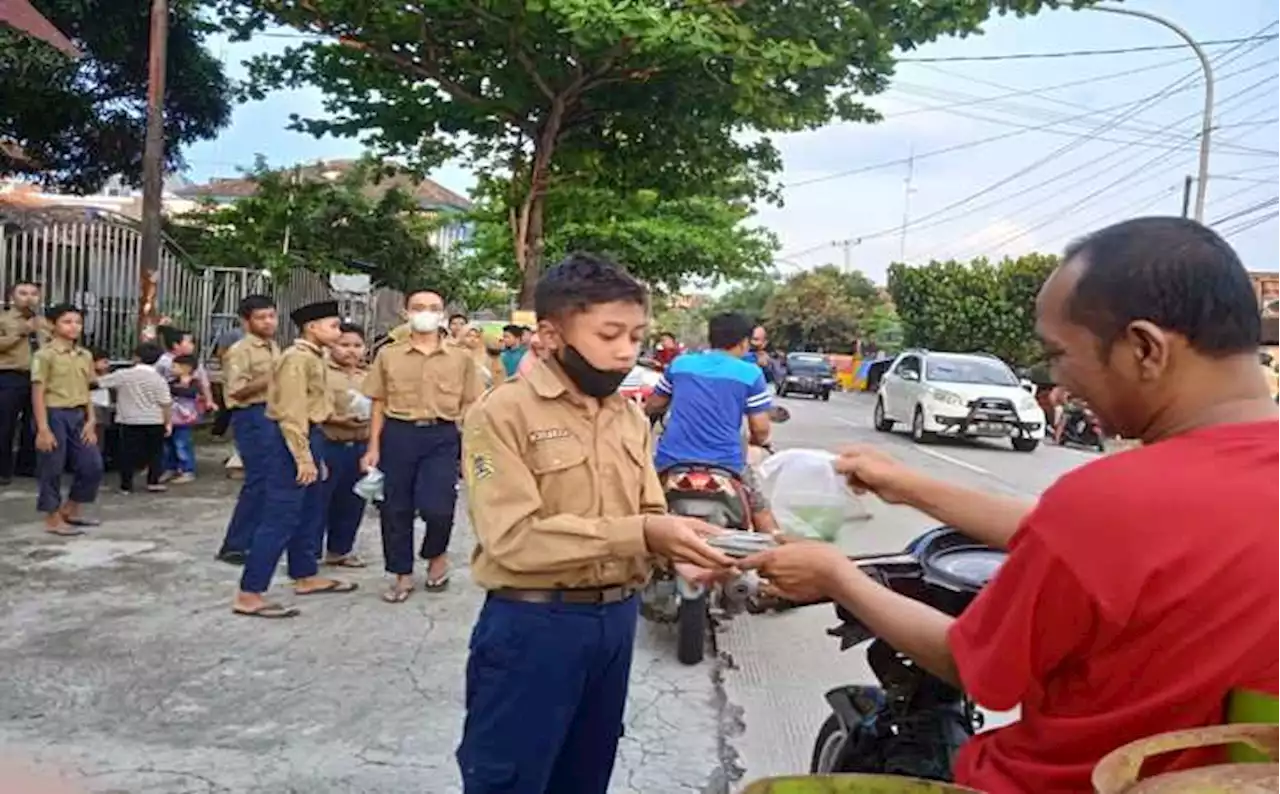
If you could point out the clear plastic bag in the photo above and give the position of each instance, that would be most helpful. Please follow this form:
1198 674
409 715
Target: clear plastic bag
360 407
369 487
809 498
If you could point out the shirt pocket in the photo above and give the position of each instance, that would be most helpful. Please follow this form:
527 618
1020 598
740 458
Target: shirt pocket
564 474
630 473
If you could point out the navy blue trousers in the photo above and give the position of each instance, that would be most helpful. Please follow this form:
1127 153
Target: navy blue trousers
252 431
419 464
343 509
546 692
291 515
66 424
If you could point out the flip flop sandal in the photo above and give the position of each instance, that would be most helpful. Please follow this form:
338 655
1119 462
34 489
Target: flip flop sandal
65 532
269 612
80 521
350 561
437 585
397 595
332 586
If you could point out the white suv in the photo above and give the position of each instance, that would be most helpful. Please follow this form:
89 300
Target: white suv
965 395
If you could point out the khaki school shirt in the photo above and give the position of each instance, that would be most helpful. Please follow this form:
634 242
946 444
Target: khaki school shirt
558 486
15 342
414 385
66 371
341 383
298 397
250 358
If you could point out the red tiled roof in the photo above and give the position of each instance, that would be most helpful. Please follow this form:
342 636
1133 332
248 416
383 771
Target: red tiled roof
21 15
426 191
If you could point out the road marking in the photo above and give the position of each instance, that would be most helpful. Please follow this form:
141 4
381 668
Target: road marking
933 453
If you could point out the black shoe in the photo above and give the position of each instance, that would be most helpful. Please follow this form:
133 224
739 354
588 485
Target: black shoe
5 482
232 557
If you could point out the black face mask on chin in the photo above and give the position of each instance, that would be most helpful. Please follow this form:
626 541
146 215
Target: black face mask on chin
593 382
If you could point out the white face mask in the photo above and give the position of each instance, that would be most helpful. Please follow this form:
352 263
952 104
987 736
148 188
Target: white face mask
425 322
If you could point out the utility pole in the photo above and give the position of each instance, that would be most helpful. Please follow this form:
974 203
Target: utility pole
1186 194
1206 120
906 203
847 246
153 166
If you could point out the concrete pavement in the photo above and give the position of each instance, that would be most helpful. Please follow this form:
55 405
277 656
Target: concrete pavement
124 668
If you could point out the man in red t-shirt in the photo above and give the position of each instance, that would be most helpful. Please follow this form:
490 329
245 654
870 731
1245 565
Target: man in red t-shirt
1141 588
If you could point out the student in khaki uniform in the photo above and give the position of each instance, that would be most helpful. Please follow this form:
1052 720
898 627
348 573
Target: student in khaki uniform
22 332
247 370
62 375
346 438
567 508
421 388
298 401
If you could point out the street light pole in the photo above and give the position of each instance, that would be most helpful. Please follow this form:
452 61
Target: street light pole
1206 123
153 166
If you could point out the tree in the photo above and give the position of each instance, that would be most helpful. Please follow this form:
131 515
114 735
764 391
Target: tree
663 242
72 124
975 307
820 309
342 225
749 298
666 89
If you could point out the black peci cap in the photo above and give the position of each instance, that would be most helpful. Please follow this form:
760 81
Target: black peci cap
313 311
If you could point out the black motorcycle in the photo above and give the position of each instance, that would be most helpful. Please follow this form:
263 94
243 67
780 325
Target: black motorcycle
1081 427
913 723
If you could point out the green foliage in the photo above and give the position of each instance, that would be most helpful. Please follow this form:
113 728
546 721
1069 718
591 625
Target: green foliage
656 93
978 306
79 122
821 309
749 298
883 328
664 242
326 226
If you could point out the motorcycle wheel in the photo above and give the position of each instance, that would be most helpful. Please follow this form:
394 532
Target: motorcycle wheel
829 748
691 630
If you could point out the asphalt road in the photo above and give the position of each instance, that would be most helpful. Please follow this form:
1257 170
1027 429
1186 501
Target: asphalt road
124 669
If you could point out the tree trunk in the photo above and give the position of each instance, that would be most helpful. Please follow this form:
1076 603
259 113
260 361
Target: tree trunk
529 226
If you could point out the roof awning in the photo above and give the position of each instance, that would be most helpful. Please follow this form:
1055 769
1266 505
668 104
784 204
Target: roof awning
21 15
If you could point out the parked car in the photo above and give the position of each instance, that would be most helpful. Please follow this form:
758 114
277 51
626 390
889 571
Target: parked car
807 373
964 395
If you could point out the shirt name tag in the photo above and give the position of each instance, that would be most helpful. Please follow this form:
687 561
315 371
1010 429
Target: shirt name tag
538 436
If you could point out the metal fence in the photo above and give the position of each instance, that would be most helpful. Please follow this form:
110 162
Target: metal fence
92 259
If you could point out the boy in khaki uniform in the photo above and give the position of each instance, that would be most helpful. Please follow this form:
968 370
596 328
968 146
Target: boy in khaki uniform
567 509
22 332
346 439
66 427
298 401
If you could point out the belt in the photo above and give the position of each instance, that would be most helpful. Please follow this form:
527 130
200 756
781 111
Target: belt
584 595
422 422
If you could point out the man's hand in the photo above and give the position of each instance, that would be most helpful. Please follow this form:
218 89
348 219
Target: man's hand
683 539
370 459
168 429
868 469
307 473
45 440
89 434
800 570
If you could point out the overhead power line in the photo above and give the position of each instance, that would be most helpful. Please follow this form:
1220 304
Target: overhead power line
1023 56
1249 224
1261 205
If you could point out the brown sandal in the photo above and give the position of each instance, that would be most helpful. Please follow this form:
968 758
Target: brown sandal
397 595
269 611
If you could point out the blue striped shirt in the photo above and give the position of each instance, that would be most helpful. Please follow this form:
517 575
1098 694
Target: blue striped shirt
710 395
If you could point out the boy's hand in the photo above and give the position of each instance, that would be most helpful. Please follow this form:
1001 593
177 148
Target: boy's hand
46 441
168 429
683 540
370 459
307 473
89 434
801 570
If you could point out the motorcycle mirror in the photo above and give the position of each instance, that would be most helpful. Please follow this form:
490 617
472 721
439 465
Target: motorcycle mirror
779 414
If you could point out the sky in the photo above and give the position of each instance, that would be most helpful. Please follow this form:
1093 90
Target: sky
1111 136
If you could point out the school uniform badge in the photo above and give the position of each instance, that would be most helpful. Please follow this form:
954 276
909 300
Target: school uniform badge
481 466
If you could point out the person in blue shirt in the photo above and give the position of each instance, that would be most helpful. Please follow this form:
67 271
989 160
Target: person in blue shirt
707 396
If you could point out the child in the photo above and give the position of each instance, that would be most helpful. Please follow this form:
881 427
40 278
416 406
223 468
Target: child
184 414
346 434
142 415
66 427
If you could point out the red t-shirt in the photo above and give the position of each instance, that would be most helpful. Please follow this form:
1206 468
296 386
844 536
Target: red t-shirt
1139 592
